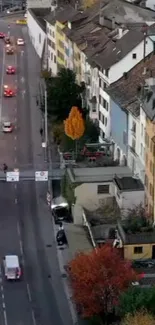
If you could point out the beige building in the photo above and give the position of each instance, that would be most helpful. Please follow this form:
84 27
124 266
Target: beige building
149 108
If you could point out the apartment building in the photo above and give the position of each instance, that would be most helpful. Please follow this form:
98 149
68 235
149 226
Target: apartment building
130 132
149 109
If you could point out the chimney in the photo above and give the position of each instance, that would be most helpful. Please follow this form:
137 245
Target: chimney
144 71
113 23
101 19
120 32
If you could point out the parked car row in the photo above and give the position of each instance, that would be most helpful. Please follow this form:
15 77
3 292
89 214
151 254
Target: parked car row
61 213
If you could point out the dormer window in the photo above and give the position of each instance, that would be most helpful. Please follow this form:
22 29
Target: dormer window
134 55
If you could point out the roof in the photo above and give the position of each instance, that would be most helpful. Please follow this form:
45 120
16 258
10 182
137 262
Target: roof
12 260
97 175
126 91
138 238
61 14
39 14
129 184
149 101
103 44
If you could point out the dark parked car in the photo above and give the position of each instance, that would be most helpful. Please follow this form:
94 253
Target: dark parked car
143 264
61 214
61 237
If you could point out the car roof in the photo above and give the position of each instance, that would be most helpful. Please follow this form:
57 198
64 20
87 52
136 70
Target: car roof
7 123
12 261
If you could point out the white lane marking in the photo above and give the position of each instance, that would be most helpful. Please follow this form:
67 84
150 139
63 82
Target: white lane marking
15 201
21 247
15 127
15 137
22 80
15 110
33 318
3 304
15 119
3 296
15 160
15 148
28 292
15 186
5 317
2 82
22 53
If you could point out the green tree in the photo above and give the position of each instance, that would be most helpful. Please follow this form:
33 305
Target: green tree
136 299
63 93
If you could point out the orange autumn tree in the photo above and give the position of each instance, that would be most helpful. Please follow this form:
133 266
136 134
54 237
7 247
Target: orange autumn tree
74 124
98 278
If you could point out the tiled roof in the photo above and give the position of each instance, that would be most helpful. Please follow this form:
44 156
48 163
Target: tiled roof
125 92
39 14
136 238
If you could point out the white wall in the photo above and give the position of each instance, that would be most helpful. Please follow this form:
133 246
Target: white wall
52 65
128 199
127 63
137 161
69 61
38 4
37 35
86 195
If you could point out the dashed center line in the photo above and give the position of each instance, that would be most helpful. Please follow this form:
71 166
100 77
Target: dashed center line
15 137
15 118
15 186
28 292
16 201
15 148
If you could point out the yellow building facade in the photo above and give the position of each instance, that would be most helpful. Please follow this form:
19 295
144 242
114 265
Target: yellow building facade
60 45
150 168
138 251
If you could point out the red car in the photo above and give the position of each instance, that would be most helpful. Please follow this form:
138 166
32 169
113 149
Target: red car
8 92
10 70
2 35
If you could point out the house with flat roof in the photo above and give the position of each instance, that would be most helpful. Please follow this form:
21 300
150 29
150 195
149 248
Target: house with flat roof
89 186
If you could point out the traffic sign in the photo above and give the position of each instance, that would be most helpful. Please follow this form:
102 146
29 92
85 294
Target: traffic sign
12 176
41 176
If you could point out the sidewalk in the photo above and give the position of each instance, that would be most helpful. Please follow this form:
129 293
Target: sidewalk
57 274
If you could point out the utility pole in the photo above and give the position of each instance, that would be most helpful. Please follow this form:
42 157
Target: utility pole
46 126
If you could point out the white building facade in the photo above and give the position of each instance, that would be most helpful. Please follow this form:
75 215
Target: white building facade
136 144
37 34
51 48
38 4
115 72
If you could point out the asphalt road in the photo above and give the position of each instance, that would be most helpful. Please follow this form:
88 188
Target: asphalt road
36 300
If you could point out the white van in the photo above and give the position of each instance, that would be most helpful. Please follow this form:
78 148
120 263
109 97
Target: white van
12 268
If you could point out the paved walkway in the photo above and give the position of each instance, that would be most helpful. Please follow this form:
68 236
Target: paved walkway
56 264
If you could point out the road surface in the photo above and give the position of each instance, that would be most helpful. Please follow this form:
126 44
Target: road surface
39 299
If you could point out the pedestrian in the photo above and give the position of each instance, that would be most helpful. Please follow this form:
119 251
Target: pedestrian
41 132
5 168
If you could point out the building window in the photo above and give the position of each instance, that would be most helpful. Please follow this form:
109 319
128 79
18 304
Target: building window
133 127
60 55
142 130
133 145
105 121
55 60
147 139
103 189
138 249
146 181
146 159
105 104
61 44
134 55
151 165
59 30
102 134
151 190
102 84
107 72
39 38
52 56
